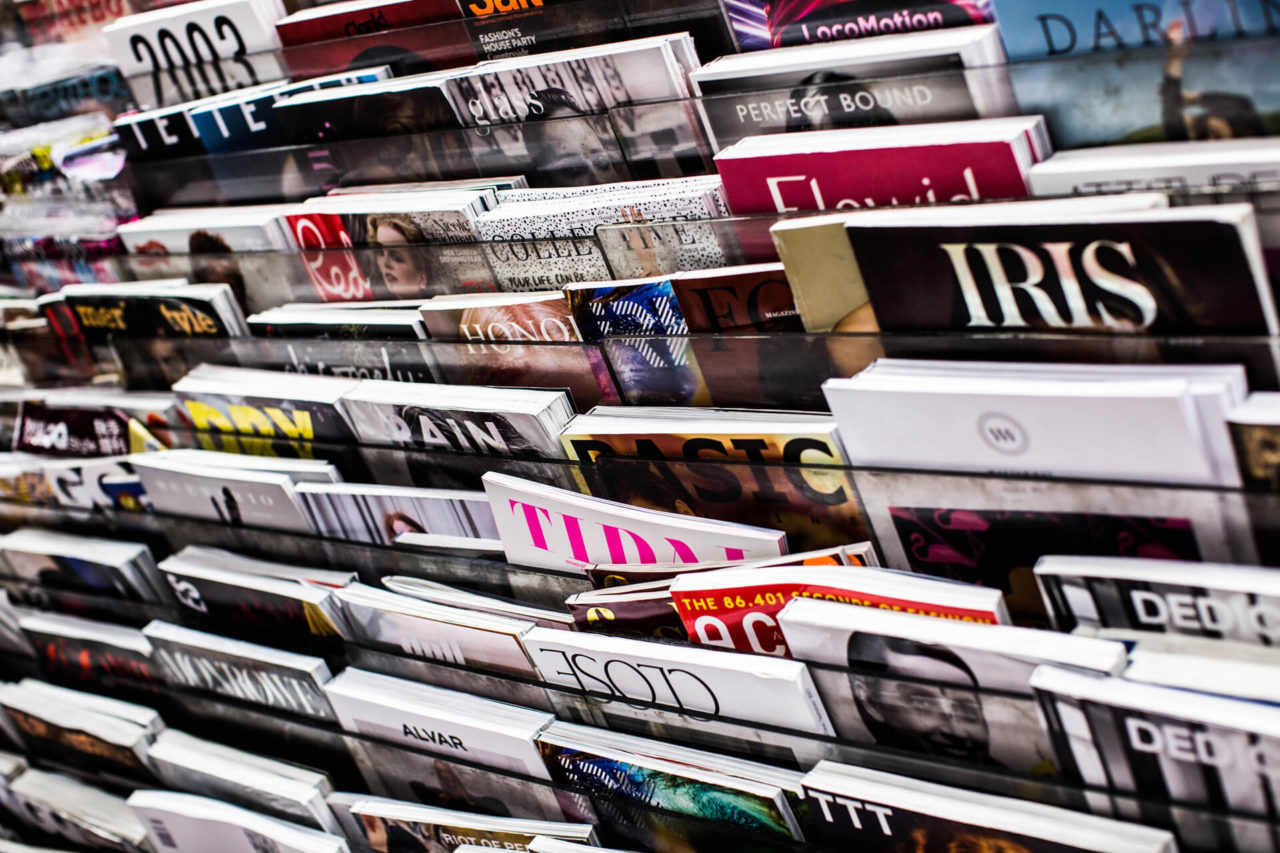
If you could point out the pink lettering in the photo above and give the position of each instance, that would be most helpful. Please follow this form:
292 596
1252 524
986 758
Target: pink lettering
618 552
531 520
684 554
573 527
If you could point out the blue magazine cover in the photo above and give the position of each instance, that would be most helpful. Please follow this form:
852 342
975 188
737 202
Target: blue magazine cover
645 327
1033 29
1182 91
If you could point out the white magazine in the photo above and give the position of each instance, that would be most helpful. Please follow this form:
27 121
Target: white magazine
195 824
698 681
444 722
546 527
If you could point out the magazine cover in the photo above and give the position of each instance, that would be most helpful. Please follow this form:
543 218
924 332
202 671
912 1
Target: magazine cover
77 657
737 608
501 318
817 507
451 430
259 675
617 779
650 617
401 361
116 751
420 629
76 574
46 21
378 514
260 783
91 431
555 110
1224 602
993 530
335 273
86 484
250 414
1163 744
643 323
859 808
648 441
888 167
99 87
206 312
1177 91
409 49
689 683
1033 29
236 498
248 120
81 814
757 24
389 826
193 822
907 91
351 19
225 27
752 299
956 704
1138 276
563 541
502 28
390 835
580 369
247 607
416 777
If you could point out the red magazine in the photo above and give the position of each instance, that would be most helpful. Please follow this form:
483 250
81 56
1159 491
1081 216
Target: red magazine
857 168
334 273
419 48
884 177
738 608
361 17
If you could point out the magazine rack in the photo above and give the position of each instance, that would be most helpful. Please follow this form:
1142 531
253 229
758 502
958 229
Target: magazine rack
294 173
635 250
1092 115
784 371
1024 519
351 274
204 64
673 138
167 534
579 368
361 763
357 763
908 514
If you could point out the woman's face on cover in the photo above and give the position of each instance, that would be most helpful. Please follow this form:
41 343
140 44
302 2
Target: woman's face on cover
402 276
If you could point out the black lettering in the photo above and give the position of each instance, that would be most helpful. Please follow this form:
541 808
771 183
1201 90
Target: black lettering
694 446
1148 15
708 306
576 660
590 449
1054 49
754 449
1103 28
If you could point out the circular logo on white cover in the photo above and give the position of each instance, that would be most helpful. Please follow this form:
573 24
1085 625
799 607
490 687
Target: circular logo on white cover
1003 434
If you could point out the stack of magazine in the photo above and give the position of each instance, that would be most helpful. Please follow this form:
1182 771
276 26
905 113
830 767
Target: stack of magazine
458 425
